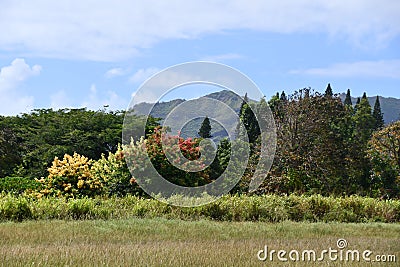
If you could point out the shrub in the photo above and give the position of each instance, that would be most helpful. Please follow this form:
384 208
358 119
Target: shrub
17 185
72 177
14 208
115 173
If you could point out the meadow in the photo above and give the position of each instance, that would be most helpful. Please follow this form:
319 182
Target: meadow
174 242
137 231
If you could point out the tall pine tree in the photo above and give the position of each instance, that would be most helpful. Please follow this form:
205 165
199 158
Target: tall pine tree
377 114
205 129
364 126
328 91
348 101
249 120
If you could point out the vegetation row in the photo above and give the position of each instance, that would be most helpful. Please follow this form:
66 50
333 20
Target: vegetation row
264 208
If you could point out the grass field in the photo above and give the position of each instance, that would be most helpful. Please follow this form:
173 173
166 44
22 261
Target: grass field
162 242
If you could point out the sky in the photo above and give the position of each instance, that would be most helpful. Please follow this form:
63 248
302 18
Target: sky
92 53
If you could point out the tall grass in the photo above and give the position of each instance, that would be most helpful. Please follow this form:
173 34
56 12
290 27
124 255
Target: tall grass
162 242
265 208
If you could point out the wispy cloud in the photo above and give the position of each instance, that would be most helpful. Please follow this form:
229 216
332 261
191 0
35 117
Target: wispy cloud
41 27
222 57
381 68
141 75
12 99
115 72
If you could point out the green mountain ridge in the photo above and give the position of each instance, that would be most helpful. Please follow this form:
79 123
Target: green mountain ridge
390 108
162 109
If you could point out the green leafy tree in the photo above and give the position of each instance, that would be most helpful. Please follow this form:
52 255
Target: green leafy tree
45 133
310 145
205 128
384 153
10 155
377 114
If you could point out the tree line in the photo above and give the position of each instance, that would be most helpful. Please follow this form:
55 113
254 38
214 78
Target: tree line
324 145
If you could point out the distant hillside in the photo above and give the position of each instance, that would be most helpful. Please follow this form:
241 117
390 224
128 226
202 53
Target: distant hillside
390 106
161 109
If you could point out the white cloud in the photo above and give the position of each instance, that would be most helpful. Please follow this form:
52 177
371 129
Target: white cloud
118 30
143 74
12 99
381 68
16 73
222 57
115 72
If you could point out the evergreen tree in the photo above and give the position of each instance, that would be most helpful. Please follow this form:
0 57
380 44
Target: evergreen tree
205 129
377 114
364 126
249 120
283 97
348 101
364 96
328 91
364 120
245 101
357 104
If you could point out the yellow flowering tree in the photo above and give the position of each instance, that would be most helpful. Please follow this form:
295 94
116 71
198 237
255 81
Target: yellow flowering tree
72 177
115 173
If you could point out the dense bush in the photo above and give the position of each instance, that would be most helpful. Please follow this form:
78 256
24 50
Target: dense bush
114 171
72 177
17 185
267 208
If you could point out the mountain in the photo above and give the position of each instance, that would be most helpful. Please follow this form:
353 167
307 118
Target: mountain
161 109
390 106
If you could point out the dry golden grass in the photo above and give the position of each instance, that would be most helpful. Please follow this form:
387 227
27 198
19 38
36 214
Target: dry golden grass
161 242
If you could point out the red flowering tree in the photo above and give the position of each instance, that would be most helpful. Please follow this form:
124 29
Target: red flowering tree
181 152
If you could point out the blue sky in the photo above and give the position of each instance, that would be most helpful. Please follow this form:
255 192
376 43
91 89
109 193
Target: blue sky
71 54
